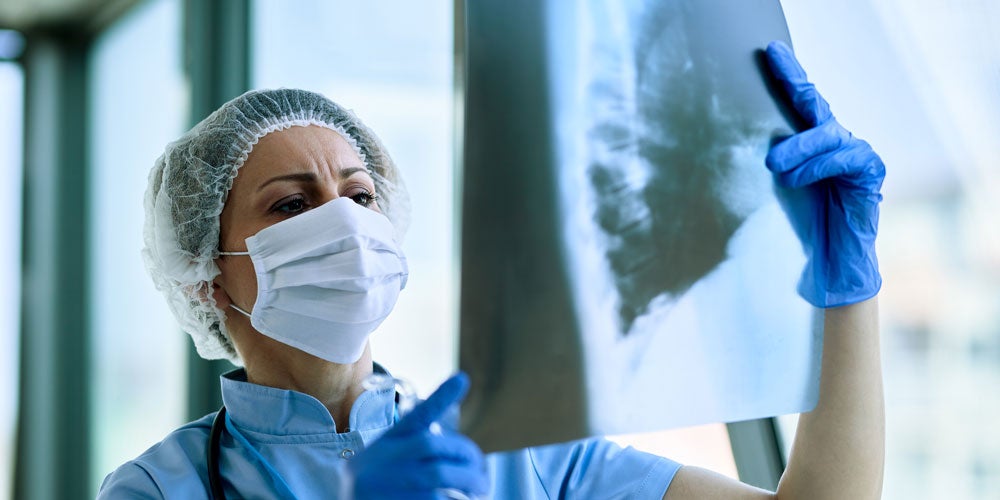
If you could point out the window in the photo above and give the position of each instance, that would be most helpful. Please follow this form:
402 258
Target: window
391 62
138 104
11 101
918 80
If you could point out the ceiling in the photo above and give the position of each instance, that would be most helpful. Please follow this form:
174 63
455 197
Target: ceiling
29 15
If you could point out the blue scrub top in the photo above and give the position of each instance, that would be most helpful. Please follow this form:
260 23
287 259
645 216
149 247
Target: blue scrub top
280 444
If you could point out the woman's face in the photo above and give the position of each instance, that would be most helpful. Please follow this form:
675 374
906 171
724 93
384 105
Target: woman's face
287 173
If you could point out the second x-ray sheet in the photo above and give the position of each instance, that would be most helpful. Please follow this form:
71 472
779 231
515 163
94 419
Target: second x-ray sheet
626 265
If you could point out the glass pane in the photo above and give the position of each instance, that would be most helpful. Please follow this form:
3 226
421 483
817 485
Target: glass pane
918 80
12 102
138 100
391 62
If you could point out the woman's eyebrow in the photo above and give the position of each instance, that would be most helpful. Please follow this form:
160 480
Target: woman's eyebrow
310 176
300 177
347 172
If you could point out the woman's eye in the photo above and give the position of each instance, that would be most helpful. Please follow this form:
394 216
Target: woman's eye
292 205
364 198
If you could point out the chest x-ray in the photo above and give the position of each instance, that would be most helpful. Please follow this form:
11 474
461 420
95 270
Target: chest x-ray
625 264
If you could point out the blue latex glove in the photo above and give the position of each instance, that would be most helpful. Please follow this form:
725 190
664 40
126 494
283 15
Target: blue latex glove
829 184
413 461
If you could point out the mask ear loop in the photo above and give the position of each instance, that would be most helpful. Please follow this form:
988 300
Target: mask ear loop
234 306
241 311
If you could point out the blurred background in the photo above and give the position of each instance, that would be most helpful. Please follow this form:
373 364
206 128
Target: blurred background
94 370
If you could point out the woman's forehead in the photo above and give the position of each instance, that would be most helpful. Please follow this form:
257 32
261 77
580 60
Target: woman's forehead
315 149
305 143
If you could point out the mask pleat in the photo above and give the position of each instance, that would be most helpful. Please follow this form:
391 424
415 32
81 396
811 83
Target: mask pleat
352 309
352 271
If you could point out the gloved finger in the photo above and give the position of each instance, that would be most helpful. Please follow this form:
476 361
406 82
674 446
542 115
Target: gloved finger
390 449
427 447
853 164
449 393
458 449
805 98
473 480
797 149
399 492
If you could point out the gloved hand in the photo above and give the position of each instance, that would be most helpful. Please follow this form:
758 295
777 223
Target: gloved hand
413 461
829 184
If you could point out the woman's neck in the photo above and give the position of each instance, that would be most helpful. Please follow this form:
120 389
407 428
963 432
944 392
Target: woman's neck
337 386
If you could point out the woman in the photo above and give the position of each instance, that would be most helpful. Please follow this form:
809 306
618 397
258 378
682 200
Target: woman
272 228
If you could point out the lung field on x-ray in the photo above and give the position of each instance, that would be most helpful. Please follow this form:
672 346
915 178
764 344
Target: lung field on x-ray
661 149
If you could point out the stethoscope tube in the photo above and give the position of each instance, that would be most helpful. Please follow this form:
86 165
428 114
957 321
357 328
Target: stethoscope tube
215 491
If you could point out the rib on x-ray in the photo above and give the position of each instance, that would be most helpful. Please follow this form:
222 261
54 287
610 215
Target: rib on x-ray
625 265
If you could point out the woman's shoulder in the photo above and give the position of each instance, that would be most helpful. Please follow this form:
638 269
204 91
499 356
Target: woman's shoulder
590 468
174 467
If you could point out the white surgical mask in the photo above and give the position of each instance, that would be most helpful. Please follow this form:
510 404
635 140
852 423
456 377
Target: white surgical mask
326 279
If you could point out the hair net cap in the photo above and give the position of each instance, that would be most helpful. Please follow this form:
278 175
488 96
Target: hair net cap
189 183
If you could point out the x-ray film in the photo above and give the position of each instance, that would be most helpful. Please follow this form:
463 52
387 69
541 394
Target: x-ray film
626 266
